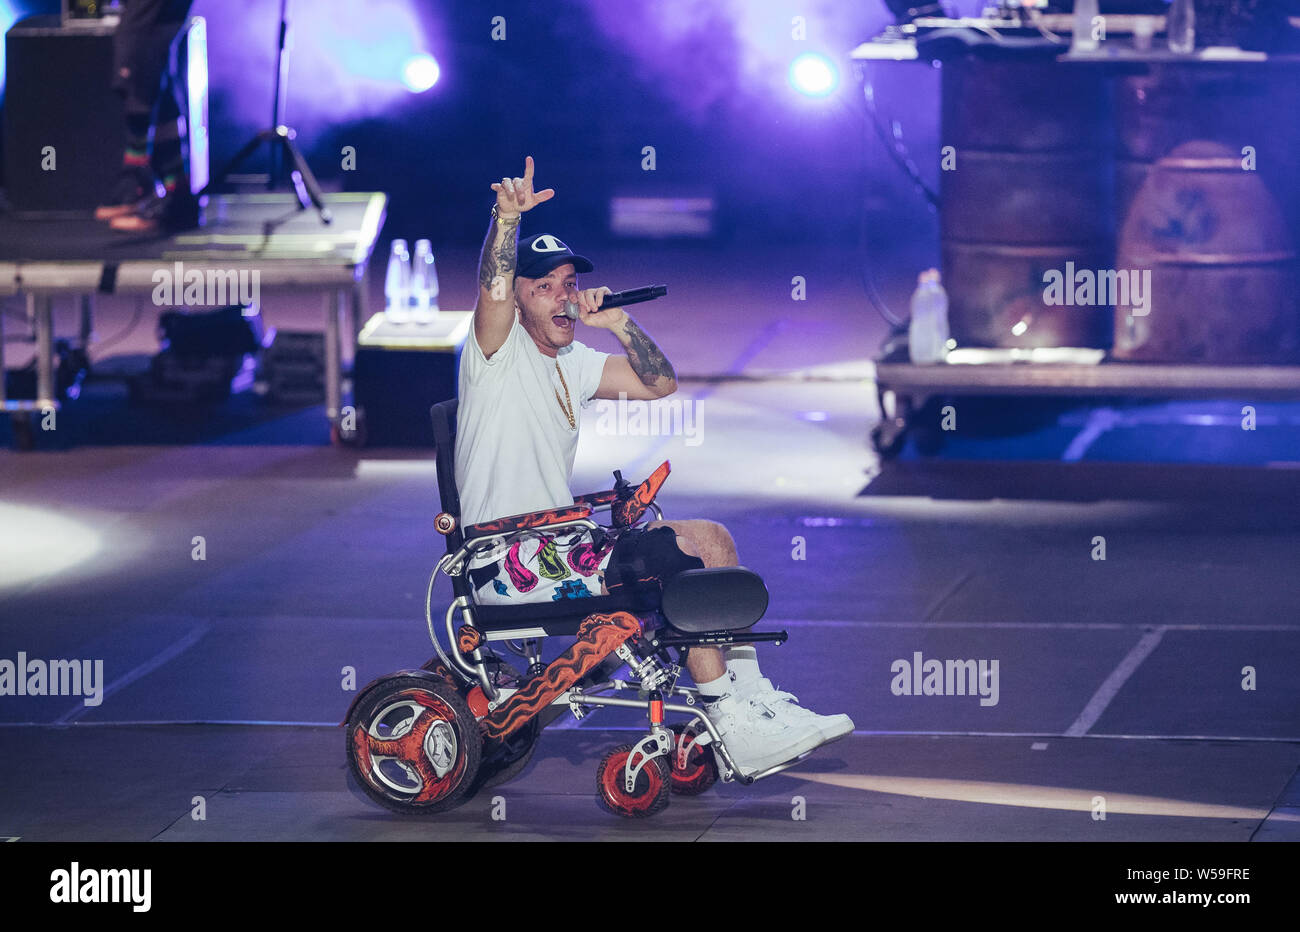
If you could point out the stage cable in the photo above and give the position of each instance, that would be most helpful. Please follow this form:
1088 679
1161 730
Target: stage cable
899 155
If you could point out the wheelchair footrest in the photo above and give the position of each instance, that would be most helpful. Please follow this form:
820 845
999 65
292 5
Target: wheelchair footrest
718 637
751 778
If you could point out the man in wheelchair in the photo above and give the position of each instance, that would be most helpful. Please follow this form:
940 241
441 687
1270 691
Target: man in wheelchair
523 377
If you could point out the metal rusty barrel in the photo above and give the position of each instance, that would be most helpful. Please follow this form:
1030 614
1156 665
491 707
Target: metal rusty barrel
1215 246
1031 189
1225 295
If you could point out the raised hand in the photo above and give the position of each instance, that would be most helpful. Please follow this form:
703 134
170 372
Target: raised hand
516 196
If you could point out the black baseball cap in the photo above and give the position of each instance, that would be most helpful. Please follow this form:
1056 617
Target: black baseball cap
541 254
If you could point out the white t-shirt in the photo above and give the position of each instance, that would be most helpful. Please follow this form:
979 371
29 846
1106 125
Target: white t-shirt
514 446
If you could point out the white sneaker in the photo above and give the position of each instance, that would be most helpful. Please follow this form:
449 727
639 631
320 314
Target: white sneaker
756 738
787 709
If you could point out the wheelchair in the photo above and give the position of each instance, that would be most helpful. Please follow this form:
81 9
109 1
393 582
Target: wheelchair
423 741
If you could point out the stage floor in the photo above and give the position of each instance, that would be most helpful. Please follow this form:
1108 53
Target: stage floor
1120 679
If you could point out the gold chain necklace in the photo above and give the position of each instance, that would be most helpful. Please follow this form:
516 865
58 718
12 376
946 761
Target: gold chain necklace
566 408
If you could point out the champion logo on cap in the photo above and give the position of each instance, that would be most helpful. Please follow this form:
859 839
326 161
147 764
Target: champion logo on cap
548 243
543 252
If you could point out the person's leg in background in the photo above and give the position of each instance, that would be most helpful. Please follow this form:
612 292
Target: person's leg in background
144 76
130 74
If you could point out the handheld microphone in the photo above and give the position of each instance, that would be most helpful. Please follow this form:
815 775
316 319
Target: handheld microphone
622 298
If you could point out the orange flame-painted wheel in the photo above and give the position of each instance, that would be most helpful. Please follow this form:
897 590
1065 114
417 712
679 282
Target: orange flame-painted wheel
413 745
650 795
700 769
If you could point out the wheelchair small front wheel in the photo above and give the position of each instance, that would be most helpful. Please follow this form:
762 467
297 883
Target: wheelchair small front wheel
413 745
650 795
698 770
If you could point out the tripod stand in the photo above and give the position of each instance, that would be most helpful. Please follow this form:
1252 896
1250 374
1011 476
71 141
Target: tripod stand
281 139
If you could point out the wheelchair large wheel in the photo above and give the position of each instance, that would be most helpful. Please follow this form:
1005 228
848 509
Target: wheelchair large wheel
413 745
699 771
653 785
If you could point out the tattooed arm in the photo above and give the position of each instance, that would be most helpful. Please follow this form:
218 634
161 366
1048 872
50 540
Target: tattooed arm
644 359
494 313
645 372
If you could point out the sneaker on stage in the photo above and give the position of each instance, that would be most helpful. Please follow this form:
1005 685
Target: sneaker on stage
787 709
132 185
173 211
756 738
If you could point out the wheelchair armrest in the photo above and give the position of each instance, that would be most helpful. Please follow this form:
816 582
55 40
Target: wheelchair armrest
453 564
596 499
526 521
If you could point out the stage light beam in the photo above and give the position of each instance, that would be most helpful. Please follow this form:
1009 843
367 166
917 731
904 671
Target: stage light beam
813 75
1034 796
420 73
38 543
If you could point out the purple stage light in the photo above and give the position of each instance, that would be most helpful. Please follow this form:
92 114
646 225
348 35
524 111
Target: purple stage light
8 16
420 73
346 61
717 59
813 75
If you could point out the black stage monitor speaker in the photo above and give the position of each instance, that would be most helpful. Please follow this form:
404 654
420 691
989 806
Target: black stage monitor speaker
64 127
400 371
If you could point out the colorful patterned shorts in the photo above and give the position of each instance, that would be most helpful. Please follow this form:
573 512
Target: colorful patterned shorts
575 566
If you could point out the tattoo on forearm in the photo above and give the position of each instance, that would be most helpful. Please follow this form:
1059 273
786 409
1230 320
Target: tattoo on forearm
499 252
647 359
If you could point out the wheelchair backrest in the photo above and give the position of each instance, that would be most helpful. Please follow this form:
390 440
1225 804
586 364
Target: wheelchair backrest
444 438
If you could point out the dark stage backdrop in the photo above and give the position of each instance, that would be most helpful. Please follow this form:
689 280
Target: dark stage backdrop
584 86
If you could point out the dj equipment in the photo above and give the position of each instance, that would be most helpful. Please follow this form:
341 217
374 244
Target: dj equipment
907 10
88 11
64 124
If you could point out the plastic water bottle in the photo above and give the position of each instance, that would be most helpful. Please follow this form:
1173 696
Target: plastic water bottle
424 283
397 284
1180 25
927 333
1082 40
